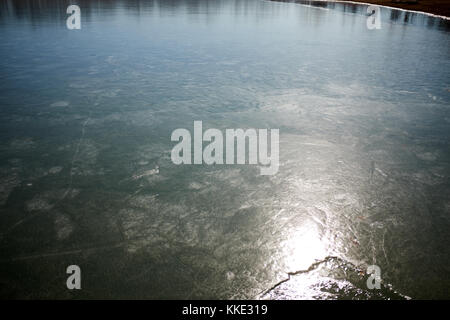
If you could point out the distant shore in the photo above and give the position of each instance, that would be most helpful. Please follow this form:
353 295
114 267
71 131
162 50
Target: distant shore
437 7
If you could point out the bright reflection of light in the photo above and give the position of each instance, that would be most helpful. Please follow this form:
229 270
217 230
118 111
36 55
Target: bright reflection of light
303 247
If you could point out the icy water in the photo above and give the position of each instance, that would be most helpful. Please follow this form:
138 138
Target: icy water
86 176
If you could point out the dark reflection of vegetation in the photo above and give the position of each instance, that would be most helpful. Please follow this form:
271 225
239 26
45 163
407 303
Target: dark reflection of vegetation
396 14
55 10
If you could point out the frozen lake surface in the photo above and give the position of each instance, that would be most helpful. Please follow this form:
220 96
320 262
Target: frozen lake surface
86 176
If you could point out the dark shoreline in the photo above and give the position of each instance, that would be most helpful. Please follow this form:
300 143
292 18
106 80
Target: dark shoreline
437 7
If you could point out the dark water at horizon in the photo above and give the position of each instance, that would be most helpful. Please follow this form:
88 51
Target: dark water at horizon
86 176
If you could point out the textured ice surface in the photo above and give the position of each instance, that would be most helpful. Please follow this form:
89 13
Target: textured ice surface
55 170
87 179
59 104
63 227
39 203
